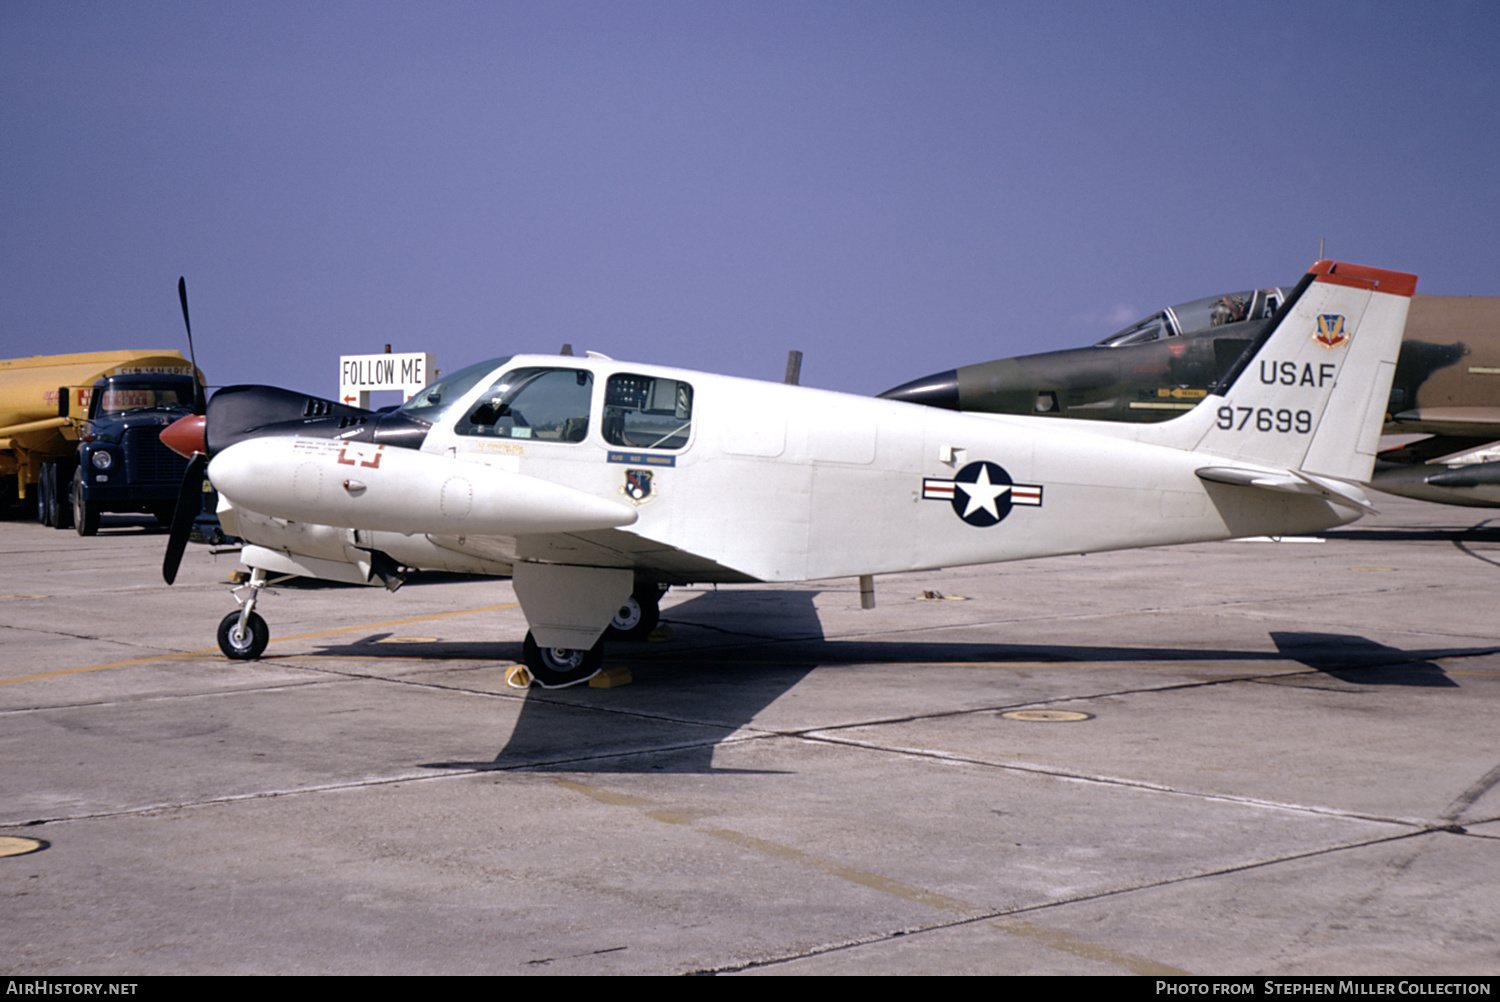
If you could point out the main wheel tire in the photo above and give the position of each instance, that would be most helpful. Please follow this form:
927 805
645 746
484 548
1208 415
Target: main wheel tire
85 515
249 647
560 667
637 616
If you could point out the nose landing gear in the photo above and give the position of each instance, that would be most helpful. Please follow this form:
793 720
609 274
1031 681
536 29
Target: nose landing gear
243 635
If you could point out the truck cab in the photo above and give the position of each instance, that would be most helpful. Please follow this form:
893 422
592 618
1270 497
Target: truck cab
122 465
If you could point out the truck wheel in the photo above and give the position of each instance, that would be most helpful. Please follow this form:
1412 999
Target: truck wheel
43 502
85 515
55 497
249 647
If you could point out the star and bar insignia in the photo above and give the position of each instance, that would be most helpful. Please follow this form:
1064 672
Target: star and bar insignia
981 493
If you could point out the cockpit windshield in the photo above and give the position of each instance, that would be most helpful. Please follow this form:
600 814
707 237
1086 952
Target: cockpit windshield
432 403
1152 328
1200 314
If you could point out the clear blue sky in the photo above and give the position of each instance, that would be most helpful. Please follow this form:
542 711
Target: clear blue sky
893 188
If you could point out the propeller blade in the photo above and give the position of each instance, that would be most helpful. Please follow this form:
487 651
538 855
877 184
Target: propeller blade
192 356
182 295
189 503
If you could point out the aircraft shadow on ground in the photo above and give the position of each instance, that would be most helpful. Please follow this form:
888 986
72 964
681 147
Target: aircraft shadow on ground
735 653
1480 532
1462 539
1356 659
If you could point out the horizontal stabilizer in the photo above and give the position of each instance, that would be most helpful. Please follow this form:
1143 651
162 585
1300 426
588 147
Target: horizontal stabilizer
1289 482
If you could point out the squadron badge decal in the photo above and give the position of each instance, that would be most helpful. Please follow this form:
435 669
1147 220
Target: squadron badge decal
981 493
637 486
1330 331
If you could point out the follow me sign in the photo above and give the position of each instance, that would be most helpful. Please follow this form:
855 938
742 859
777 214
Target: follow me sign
360 375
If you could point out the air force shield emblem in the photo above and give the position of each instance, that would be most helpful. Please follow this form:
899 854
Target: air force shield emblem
637 485
1330 333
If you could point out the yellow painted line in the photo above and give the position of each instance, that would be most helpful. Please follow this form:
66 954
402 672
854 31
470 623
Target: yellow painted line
876 882
192 655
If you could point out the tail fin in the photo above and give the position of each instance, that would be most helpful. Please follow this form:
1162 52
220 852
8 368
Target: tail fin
1310 397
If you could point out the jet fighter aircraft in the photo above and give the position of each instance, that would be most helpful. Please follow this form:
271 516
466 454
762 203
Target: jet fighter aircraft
1445 398
594 483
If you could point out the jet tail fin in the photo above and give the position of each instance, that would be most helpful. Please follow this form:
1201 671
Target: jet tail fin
1310 396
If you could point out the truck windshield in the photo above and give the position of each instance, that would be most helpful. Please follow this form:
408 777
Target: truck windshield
120 399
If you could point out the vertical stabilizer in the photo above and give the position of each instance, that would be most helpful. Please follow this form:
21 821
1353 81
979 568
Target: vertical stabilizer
1311 396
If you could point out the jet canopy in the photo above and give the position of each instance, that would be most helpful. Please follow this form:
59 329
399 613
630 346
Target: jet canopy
1200 314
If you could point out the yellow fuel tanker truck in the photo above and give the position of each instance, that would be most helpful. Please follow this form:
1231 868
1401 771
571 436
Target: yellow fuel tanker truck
80 434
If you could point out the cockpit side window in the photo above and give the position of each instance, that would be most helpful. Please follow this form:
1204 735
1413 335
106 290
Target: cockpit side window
545 404
647 412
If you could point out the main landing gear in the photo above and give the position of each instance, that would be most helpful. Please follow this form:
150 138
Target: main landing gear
638 614
559 667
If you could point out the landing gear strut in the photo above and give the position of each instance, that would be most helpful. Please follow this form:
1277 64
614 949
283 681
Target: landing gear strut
559 667
243 635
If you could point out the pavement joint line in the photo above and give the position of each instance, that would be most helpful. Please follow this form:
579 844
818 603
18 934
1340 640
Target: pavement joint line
195 655
227 799
1003 919
1026 704
966 910
437 772
1120 781
1004 915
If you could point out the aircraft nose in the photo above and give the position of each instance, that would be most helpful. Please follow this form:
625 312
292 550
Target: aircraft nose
937 390
186 436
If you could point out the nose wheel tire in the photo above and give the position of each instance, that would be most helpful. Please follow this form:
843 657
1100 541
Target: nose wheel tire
559 667
247 647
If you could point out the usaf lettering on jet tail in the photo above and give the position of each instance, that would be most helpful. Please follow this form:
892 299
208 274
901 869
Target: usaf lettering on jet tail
596 484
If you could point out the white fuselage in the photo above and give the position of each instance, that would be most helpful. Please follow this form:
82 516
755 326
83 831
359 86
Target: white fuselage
768 482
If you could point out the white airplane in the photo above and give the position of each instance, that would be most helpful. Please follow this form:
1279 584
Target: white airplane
594 484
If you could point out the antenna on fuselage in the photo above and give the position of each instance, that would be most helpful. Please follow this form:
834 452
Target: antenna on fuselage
793 367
